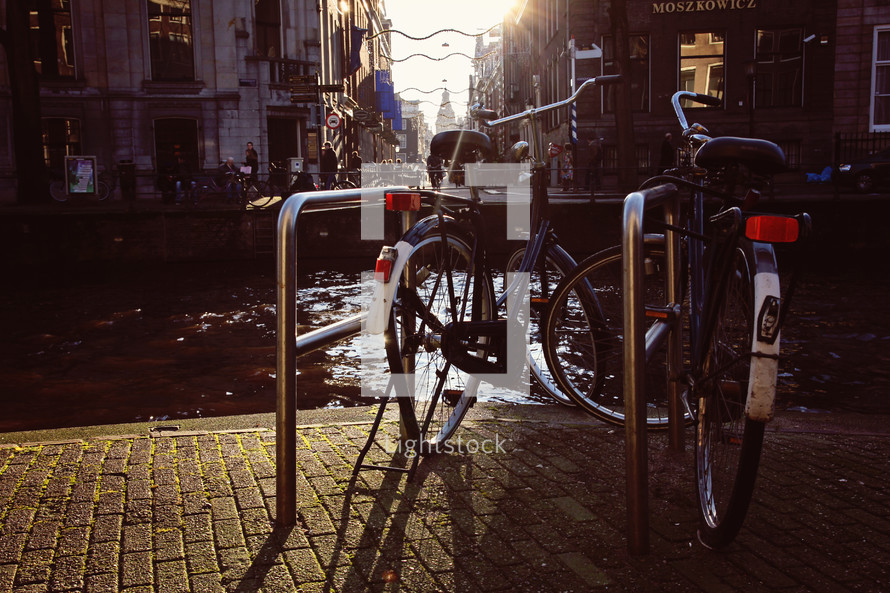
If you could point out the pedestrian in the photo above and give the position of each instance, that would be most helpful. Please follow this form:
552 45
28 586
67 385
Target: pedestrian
567 171
328 165
355 167
252 160
594 164
666 160
184 182
227 177
434 170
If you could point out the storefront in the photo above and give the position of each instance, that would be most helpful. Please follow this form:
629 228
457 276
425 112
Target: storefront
770 63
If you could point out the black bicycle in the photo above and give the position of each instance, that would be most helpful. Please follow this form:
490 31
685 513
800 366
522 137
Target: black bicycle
445 327
729 314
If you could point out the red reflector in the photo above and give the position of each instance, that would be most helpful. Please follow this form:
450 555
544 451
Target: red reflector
772 229
382 270
403 201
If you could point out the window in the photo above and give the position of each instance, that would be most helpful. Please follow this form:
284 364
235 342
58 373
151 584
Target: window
170 40
778 78
701 64
639 73
61 138
52 42
791 148
880 76
268 28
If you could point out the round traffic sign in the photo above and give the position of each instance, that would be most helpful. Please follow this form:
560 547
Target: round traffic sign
333 121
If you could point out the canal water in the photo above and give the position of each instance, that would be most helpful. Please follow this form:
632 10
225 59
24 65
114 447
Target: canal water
108 344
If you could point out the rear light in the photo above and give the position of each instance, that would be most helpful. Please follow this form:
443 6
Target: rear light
772 229
385 261
403 201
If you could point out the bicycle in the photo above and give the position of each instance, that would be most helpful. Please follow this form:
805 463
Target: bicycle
435 298
105 184
279 184
251 191
342 180
729 315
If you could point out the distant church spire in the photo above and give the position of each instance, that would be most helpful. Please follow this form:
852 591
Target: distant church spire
445 119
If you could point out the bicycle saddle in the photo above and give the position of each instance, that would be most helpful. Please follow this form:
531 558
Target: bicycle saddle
461 145
761 156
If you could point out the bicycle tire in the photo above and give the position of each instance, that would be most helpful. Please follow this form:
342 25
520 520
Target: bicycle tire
584 336
728 443
102 191
57 191
345 184
105 186
442 394
261 194
558 264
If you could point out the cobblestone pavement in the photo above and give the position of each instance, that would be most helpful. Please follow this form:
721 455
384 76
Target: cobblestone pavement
521 504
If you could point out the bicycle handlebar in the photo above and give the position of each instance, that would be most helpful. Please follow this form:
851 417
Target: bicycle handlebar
488 117
698 98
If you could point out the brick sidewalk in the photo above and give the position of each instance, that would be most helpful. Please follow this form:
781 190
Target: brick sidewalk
192 512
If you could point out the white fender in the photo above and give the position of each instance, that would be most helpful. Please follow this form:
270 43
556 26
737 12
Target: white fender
381 299
761 402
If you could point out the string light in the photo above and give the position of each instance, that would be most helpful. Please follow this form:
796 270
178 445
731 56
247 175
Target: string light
431 91
433 34
454 53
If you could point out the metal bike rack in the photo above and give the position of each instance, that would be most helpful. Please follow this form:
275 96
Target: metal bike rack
290 346
636 350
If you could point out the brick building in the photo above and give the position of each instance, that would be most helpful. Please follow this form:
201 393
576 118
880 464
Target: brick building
772 65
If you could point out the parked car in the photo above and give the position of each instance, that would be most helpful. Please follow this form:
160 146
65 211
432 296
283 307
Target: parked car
866 173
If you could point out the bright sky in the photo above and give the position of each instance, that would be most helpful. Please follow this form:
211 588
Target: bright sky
420 18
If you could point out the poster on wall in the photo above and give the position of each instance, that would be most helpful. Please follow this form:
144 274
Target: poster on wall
81 174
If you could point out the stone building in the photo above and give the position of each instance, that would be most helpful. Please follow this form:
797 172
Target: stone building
141 81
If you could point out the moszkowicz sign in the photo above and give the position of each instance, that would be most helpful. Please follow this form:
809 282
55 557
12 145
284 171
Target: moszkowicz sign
702 6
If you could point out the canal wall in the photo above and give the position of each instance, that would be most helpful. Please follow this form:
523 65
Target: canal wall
843 228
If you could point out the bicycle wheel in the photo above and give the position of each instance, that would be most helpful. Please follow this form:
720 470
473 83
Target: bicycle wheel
102 191
105 186
542 282
57 191
584 336
728 443
430 295
259 194
345 184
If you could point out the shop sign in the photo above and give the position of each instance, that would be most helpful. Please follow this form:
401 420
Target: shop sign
702 6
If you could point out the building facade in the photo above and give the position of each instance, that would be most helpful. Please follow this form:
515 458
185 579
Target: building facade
145 81
771 64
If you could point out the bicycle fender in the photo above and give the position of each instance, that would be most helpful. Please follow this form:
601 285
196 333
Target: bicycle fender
382 297
761 403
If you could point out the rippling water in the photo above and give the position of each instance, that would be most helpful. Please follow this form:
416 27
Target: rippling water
102 345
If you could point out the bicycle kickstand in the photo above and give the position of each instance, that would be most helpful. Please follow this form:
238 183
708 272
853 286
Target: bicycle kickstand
359 465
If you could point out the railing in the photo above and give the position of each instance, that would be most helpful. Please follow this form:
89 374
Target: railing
638 346
290 346
848 147
281 69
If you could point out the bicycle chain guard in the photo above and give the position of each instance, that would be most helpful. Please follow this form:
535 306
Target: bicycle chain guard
462 340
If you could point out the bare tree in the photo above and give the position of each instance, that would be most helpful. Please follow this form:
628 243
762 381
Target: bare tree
31 174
